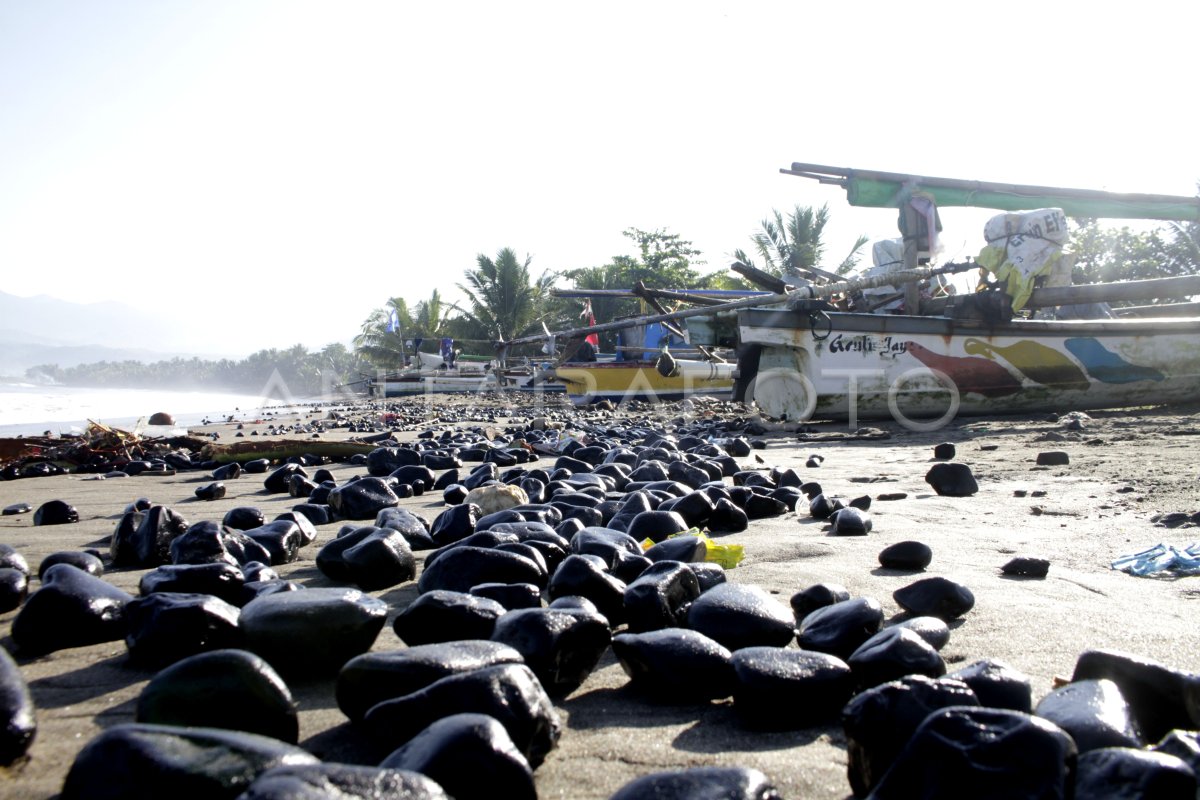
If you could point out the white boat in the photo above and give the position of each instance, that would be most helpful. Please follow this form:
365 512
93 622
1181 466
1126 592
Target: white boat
926 370
802 358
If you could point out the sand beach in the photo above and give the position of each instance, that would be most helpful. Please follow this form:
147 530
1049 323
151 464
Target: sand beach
1125 467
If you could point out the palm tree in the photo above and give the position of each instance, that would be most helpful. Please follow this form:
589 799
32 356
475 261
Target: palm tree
381 340
504 303
793 243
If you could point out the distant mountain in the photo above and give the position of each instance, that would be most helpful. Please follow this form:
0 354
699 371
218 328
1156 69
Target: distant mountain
46 330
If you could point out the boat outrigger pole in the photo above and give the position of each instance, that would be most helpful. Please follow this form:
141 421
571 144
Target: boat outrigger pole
870 188
795 295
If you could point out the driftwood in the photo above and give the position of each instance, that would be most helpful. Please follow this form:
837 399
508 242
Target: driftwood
275 449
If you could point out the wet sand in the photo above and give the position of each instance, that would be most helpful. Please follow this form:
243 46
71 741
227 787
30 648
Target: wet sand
1125 467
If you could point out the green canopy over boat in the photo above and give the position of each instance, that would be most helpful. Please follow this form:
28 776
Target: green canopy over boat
889 190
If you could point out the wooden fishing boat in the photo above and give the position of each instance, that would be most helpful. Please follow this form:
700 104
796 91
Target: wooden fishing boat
656 365
430 375
926 370
619 381
802 358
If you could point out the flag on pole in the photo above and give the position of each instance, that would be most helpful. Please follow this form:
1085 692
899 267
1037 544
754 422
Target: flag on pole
592 338
393 323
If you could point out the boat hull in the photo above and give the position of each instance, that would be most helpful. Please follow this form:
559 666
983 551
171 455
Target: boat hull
621 381
926 370
413 385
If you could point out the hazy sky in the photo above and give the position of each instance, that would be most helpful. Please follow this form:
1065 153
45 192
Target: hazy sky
289 165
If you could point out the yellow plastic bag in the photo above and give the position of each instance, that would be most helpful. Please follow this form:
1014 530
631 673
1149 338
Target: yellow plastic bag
727 555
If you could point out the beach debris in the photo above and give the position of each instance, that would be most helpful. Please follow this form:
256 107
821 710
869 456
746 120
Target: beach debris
879 721
786 689
1161 560
742 615
89 562
509 692
1093 712
440 750
98 449
1026 567
71 609
133 759
841 628
952 479
936 596
907 555
55 512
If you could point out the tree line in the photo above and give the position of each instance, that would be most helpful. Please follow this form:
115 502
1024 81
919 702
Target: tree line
505 299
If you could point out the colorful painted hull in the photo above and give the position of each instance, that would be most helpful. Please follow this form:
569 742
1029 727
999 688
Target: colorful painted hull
617 381
933 368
